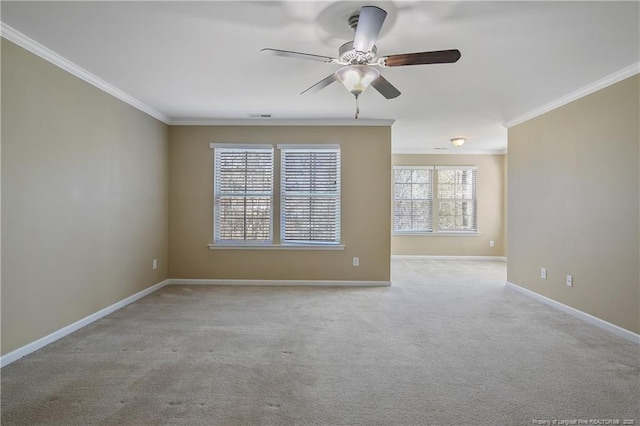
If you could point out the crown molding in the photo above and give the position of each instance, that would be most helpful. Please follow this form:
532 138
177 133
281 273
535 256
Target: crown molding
617 76
49 55
281 122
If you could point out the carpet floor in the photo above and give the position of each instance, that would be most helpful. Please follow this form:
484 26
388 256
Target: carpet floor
447 344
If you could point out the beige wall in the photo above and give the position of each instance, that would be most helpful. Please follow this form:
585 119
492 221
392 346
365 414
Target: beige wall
365 209
491 214
573 204
84 199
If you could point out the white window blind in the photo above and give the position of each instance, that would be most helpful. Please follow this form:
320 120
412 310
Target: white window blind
243 194
457 203
412 199
310 194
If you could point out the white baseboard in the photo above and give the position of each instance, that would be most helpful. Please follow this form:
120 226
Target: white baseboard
427 257
600 323
56 335
34 346
307 283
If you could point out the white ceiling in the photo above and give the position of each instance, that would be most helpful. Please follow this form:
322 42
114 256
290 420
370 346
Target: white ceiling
202 61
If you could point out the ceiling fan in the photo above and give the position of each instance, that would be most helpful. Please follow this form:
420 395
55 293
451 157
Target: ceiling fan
359 58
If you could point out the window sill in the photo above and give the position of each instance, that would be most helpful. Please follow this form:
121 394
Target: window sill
276 246
436 234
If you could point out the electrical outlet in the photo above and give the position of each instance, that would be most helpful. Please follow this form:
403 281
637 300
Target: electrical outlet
154 264
356 261
570 280
543 273
491 243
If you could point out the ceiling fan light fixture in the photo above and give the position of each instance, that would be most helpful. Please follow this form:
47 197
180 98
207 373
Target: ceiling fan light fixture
356 78
458 142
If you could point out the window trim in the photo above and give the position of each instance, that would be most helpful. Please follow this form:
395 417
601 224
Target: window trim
276 176
241 147
309 146
310 244
393 200
456 167
474 200
276 246
435 226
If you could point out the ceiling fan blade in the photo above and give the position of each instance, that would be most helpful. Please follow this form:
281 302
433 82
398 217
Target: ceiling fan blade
369 24
298 55
385 88
422 58
321 84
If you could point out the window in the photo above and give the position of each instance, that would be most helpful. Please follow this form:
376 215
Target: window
431 199
413 199
457 199
307 187
243 194
310 194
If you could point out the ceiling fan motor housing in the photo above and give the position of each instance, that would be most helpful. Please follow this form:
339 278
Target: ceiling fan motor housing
348 55
353 21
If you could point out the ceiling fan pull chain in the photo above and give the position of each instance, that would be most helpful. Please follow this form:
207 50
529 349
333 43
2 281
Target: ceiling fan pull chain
357 108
